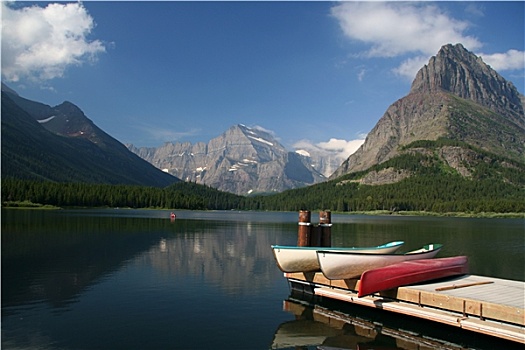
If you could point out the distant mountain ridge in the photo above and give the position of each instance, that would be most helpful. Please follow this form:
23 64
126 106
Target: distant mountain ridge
456 101
455 96
61 144
242 160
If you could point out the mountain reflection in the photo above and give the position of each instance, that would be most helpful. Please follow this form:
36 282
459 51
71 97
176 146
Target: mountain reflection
53 257
234 257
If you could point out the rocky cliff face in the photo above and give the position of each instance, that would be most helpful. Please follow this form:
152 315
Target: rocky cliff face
457 96
456 70
242 160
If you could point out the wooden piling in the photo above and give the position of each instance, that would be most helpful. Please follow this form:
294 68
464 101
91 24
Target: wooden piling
304 229
325 225
315 236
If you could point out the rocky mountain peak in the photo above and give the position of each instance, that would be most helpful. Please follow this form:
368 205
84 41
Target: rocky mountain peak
456 70
455 96
242 160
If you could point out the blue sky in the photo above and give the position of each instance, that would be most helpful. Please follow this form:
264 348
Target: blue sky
320 73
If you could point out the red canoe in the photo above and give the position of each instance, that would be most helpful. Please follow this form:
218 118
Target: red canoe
410 272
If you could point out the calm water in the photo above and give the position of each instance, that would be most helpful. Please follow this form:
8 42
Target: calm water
133 279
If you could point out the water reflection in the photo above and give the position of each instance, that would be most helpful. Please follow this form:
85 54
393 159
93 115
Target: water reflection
234 257
71 279
53 257
121 279
318 327
311 328
501 241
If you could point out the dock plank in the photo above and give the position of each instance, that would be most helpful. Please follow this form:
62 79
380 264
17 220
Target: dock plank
497 329
488 308
506 292
502 300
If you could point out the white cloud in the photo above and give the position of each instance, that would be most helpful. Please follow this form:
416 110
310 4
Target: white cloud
475 9
41 42
271 132
409 67
510 60
361 74
402 28
341 149
396 28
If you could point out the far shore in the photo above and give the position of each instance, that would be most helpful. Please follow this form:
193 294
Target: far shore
38 206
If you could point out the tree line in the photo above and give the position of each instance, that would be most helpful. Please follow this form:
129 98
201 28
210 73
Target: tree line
180 195
495 184
439 194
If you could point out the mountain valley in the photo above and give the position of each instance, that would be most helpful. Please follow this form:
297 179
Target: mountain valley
456 142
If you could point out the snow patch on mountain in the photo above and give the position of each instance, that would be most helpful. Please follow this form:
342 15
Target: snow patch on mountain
42 121
260 140
303 152
242 160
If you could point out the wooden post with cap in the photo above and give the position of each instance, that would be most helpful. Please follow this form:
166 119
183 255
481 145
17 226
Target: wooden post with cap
315 236
304 229
325 224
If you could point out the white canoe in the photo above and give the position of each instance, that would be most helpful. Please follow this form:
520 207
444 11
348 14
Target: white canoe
338 265
304 259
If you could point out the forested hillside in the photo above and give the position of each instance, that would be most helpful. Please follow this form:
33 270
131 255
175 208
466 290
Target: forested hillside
182 195
424 181
61 144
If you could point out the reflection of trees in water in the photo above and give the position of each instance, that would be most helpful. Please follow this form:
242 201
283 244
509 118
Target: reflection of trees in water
233 256
500 239
54 257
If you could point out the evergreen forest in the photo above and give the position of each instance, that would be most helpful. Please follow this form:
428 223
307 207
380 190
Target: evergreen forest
495 185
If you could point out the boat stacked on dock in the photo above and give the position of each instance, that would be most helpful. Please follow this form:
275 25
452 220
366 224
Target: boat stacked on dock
372 269
410 272
304 259
377 268
414 283
346 265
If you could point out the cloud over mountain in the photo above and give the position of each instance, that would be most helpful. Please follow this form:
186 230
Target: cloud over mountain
512 59
394 29
340 148
417 30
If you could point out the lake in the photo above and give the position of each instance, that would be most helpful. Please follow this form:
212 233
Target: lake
134 279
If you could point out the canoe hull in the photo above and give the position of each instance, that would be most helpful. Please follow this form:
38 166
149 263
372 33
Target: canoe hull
411 272
337 266
304 259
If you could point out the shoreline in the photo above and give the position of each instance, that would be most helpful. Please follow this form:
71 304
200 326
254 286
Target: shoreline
37 206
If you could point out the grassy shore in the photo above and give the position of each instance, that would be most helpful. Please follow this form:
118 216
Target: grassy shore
429 213
27 205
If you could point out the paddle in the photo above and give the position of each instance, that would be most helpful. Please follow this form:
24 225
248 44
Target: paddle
456 286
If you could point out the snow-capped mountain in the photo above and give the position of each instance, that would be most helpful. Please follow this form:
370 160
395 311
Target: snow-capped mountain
242 160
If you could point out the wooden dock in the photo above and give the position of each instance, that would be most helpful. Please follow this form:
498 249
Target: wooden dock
487 305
